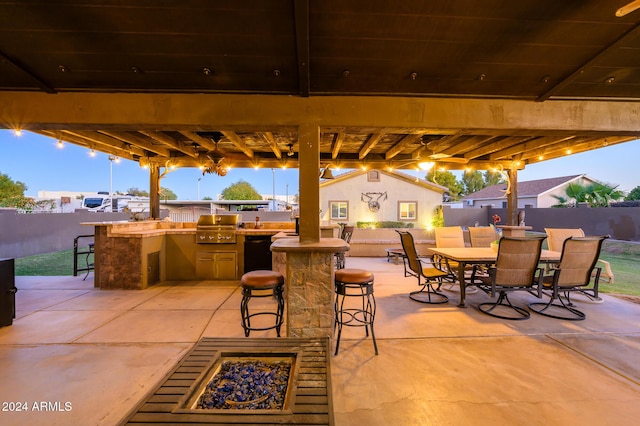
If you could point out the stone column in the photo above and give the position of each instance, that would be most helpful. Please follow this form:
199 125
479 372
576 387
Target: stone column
309 284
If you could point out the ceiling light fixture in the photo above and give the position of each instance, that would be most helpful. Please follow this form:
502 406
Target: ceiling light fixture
17 132
59 145
426 165
326 173
92 153
290 153
207 71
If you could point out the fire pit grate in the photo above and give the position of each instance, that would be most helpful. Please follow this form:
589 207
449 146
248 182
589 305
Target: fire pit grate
302 363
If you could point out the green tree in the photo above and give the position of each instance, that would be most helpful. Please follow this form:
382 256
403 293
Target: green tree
634 194
12 194
138 192
240 190
493 178
167 194
448 180
472 182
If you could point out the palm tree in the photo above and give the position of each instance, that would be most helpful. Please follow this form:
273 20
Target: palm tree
595 194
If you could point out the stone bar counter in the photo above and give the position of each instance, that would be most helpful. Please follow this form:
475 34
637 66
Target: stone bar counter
136 255
309 274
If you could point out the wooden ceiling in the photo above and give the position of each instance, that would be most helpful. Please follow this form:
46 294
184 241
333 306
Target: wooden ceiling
533 51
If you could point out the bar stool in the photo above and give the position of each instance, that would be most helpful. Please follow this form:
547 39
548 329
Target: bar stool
350 284
259 281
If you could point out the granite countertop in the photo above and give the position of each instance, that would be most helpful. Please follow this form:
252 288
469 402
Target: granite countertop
293 244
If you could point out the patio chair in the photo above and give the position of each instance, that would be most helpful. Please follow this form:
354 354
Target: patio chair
516 269
482 236
576 272
557 236
451 237
347 232
416 268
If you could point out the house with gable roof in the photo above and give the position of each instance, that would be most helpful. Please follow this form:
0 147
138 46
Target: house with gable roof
534 193
379 195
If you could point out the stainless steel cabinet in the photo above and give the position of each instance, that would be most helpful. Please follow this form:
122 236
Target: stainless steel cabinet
216 265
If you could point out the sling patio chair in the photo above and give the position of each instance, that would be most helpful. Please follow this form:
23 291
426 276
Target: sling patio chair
416 267
576 272
482 236
451 237
347 232
516 269
557 236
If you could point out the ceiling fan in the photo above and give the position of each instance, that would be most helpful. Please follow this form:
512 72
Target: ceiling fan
215 156
628 8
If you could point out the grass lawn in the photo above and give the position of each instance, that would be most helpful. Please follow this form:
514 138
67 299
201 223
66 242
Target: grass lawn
624 259
50 264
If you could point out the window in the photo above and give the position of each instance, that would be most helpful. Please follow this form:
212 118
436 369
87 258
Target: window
339 209
407 210
373 176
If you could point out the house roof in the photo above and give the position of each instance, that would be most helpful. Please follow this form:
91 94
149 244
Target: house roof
530 188
394 174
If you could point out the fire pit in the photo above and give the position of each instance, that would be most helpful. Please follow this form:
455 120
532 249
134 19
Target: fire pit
245 381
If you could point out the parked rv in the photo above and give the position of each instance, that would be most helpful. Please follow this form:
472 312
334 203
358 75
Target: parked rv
102 203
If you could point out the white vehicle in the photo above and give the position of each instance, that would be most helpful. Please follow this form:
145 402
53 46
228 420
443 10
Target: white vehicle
102 203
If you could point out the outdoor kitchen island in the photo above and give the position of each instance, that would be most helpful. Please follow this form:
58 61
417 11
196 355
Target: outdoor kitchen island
136 255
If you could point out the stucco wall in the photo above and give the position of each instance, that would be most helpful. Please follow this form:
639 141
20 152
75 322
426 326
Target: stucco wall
24 235
396 190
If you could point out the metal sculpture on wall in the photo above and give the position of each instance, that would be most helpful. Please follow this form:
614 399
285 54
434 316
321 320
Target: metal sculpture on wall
374 204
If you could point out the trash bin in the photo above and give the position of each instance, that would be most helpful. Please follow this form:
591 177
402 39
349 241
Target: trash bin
7 292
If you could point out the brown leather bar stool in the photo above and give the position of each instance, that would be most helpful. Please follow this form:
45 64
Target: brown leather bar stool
260 281
353 283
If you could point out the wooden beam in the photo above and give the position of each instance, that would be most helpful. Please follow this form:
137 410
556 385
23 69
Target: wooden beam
400 146
368 146
301 23
104 143
337 144
136 140
171 142
239 143
203 142
527 146
629 35
496 146
268 137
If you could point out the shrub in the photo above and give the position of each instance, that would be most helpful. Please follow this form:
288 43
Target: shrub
384 224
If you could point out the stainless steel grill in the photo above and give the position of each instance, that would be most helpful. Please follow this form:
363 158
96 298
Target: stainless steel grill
217 229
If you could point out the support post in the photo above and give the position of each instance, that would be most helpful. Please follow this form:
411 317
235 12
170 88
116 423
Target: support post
512 197
309 166
154 191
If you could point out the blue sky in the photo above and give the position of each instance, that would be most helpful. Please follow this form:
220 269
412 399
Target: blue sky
36 161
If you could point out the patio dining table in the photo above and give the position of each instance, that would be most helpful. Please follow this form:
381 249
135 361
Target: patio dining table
480 256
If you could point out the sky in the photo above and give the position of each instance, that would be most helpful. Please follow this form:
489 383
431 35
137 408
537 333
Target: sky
36 161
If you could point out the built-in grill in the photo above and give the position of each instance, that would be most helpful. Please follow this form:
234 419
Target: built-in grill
217 229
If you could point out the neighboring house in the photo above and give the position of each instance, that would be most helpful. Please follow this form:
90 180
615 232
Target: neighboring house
378 195
534 193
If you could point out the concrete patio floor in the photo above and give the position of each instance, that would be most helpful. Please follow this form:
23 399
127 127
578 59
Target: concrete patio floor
92 355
